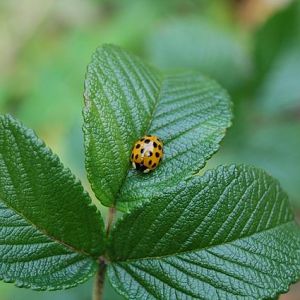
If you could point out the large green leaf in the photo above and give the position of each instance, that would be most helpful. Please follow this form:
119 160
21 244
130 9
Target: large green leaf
50 233
227 235
126 99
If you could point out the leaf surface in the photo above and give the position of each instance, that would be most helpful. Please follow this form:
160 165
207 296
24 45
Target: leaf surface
51 234
227 235
126 99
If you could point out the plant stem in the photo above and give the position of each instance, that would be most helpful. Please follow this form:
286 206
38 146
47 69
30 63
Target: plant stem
100 276
110 219
99 281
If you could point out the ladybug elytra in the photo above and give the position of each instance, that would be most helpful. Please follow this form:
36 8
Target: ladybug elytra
147 153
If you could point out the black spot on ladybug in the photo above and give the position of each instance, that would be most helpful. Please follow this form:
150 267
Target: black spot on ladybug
132 155
150 162
137 146
147 141
156 154
142 150
136 156
150 154
154 165
159 147
142 139
154 145
141 167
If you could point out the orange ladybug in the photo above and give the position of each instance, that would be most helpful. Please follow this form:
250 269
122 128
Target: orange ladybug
147 153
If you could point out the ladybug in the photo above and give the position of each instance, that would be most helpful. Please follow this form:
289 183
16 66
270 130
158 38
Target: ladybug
147 153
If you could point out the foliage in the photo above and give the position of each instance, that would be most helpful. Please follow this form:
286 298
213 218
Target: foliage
126 99
41 207
228 233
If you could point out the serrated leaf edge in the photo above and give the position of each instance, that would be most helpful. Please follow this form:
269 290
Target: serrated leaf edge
275 294
20 284
30 134
184 182
271 296
162 75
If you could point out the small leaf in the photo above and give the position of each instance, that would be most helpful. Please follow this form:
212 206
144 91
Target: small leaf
126 99
227 235
51 234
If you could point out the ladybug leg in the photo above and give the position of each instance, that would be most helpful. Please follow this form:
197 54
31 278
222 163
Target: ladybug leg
133 164
147 171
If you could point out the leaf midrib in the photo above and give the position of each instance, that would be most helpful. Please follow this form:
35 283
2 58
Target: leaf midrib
204 248
73 249
162 80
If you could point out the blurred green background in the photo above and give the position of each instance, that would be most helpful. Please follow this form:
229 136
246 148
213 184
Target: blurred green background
251 47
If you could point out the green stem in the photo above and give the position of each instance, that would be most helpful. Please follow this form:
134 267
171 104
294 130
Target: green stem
100 276
110 219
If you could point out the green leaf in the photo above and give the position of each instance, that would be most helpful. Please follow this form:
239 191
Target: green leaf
50 233
201 45
126 99
227 235
258 145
